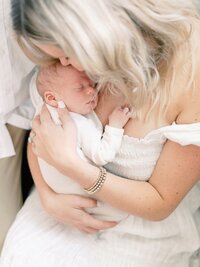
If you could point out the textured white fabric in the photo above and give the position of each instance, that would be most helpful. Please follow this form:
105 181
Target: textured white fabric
15 105
137 158
35 239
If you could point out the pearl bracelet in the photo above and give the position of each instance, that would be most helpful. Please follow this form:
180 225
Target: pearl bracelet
99 182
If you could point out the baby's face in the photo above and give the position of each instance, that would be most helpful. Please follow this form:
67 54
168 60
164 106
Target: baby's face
76 90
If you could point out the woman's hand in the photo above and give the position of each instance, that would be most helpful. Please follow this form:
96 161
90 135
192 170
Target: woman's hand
65 208
70 210
54 144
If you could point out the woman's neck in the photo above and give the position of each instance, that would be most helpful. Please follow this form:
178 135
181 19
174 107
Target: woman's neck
107 102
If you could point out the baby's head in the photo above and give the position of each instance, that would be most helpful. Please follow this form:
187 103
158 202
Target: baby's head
65 83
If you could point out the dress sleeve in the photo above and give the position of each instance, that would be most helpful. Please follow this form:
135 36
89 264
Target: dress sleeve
184 134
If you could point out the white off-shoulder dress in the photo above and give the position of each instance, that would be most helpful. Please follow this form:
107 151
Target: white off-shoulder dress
37 240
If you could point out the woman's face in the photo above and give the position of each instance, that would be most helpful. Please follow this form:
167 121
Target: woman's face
58 53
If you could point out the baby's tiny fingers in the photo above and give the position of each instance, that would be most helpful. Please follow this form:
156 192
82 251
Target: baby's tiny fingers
132 113
126 110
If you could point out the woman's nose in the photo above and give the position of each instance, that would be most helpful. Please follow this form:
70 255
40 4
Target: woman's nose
64 61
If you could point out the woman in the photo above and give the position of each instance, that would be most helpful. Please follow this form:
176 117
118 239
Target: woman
143 52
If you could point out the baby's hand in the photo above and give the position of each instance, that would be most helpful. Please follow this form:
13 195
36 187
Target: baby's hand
119 117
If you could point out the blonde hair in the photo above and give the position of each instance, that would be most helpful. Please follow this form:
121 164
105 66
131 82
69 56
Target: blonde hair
129 46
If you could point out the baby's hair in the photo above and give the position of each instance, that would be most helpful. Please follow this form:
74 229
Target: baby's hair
46 78
130 46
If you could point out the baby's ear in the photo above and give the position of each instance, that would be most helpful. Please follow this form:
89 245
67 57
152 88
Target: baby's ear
50 98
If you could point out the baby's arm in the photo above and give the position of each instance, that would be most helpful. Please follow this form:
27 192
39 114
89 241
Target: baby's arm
119 117
102 149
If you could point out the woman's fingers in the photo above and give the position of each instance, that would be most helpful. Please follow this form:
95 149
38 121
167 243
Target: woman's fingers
85 219
42 121
31 137
45 116
86 229
70 209
85 222
36 123
65 118
100 225
90 221
84 202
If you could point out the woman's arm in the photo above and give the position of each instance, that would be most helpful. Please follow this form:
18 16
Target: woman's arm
68 209
177 170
